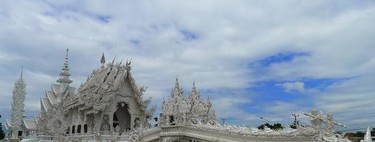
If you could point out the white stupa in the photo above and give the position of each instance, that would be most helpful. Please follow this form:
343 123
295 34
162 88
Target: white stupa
18 106
367 137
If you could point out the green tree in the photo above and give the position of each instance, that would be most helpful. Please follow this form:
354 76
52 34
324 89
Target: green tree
359 134
261 127
2 135
276 126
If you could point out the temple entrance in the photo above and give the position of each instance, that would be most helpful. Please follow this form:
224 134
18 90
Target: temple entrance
122 117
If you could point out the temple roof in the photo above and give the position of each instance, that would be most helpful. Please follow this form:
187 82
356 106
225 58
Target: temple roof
46 105
8 124
51 97
102 84
55 88
30 124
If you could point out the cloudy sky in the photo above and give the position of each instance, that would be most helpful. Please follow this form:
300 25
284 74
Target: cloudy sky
253 58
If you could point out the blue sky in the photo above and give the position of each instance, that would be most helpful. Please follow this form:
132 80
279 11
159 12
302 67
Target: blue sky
253 58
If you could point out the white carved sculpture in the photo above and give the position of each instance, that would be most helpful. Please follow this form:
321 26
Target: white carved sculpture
315 118
325 127
18 105
179 110
367 137
136 134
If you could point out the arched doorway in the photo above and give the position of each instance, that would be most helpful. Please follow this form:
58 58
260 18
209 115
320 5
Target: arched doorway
122 117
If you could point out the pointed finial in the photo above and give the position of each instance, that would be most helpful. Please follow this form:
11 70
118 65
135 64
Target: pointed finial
102 60
66 59
66 54
193 84
194 89
21 72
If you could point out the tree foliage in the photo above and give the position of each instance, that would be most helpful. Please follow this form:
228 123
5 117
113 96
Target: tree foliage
2 135
276 126
359 134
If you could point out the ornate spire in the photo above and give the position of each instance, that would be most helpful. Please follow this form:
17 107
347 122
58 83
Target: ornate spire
64 75
64 79
194 95
177 90
18 105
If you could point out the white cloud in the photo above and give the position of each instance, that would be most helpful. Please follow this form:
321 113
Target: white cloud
230 36
292 86
229 108
351 101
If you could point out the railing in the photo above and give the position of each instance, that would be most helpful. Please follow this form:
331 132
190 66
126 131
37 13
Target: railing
102 135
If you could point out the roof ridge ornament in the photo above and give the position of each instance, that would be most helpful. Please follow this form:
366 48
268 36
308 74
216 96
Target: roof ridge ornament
102 60
194 88
127 64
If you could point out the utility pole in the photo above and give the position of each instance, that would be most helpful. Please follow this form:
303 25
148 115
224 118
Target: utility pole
295 118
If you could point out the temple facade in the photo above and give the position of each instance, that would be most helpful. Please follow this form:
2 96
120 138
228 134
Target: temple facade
109 106
109 101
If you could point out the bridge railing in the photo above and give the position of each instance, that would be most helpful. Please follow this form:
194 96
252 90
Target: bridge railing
210 134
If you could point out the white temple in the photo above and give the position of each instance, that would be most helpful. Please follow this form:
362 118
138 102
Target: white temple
109 106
